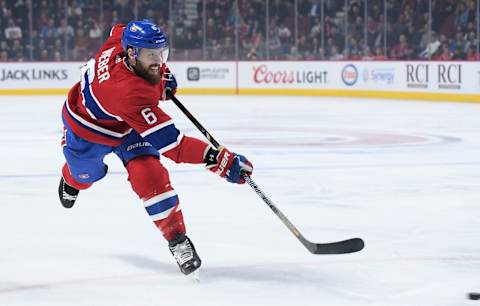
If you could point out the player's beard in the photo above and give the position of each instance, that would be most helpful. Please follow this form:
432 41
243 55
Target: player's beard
152 76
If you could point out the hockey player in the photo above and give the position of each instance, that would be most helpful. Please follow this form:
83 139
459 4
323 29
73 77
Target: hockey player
114 108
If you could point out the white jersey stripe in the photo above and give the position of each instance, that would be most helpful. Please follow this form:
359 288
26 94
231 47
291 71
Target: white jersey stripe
96 127
88 111
156 128
172 145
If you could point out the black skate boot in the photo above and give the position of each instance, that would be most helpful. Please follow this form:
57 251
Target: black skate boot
184 253
67 194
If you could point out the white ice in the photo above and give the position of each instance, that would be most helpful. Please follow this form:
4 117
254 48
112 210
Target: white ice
404 176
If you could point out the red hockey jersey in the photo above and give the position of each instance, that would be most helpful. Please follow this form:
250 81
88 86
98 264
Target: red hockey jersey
110 100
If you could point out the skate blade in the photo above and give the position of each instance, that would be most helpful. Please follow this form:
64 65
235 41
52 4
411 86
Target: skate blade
195 276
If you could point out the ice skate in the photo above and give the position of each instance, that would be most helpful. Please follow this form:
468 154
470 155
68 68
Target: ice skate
184 253
67 194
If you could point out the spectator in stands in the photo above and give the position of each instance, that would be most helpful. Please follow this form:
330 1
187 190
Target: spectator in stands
294 55
257 41
3 56
321 54
357 29
461 14
373 30
472 54
335 55
4 47
49 47
252 54
49 31
5 14
58 47
315 45
328 46
280 9
458 54
123 9
304 7
308 56
228 49
419 7
82 44
12 31
20 10
212 31
44 57
402 50
458 42
445 55
57 57
65 30
338 39
17 50
367 54
316 28
94 32
471 27
215 50
284 34
304 45
352 49
315 9
274 45
379 55
432 47
192 41
38 48
227 29
471 41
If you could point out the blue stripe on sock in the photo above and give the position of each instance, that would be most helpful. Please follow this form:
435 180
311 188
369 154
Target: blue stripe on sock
162 206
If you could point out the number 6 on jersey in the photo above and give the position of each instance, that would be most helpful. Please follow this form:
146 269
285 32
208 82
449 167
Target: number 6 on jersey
148 115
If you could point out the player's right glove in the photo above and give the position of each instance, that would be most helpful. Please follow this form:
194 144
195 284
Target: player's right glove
228 164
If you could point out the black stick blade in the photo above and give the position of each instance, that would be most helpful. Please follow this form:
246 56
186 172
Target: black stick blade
340 247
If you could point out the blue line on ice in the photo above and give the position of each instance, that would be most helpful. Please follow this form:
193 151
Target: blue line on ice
273 168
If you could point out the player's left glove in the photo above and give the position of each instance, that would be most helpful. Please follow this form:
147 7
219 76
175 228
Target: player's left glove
170 83
228 164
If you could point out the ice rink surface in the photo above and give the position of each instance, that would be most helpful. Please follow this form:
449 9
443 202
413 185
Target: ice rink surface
404 176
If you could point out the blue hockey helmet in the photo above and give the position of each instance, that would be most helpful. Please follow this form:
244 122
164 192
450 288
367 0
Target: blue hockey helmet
143 34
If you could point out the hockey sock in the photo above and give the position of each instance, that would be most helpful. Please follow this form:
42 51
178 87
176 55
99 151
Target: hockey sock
150 181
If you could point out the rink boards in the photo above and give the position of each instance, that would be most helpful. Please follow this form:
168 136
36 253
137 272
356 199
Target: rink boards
442 81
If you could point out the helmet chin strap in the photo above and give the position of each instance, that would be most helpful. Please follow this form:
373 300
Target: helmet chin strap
136 51
126 60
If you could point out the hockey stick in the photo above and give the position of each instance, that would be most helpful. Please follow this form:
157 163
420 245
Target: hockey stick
340 247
